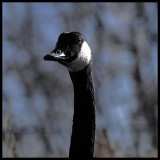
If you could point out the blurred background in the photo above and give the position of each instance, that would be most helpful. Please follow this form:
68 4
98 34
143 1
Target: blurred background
37 95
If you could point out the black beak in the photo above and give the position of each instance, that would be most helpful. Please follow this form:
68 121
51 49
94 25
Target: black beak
55 57
48 57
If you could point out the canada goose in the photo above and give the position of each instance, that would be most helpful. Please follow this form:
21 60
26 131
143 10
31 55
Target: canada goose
73 52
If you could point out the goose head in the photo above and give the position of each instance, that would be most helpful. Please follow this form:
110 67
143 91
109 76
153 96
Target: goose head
71 50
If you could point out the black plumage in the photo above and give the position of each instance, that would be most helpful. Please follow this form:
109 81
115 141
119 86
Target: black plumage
83 130
73 52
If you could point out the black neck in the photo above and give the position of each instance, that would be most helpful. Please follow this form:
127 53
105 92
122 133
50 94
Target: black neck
83 129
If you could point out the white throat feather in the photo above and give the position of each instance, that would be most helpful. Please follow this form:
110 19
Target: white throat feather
83 59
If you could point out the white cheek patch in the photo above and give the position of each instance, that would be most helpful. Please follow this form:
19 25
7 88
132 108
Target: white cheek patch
82 60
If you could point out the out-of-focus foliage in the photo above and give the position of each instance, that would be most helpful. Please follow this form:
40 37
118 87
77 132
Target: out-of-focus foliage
38 95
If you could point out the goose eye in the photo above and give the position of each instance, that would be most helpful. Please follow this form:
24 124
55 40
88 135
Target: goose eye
79 40
58 52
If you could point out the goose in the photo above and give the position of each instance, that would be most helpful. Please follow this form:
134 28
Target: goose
73 51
